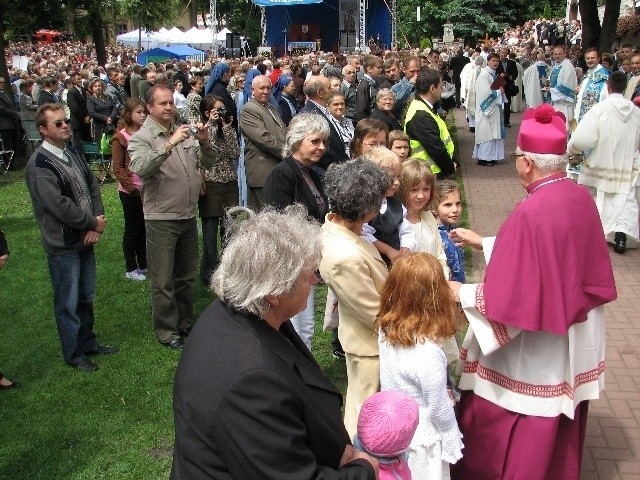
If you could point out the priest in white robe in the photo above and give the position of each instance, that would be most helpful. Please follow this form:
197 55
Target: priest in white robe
593 88
563 83
535 79
490 130
476 66
610 135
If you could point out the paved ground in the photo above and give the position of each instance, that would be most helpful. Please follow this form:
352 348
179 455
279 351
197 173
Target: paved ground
612 446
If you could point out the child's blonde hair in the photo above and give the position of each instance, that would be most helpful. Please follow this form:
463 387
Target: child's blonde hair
415 171
416 302
382 157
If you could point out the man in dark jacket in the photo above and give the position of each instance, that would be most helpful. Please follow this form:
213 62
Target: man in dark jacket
317 89
78 109
67 206
509 70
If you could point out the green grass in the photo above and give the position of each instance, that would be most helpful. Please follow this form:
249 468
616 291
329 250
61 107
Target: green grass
116 423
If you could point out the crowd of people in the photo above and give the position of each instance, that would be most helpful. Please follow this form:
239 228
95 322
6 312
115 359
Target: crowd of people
345 165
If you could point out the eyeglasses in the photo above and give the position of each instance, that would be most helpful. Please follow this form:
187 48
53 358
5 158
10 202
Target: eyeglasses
316 142
374 144
59 123
514 156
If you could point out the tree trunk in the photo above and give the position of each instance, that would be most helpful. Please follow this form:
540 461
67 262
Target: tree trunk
590 23
97 32
609 24
193 14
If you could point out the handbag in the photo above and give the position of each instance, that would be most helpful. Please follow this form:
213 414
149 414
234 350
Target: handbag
105 144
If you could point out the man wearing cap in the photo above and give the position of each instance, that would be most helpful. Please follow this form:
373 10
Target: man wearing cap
610 133
533 355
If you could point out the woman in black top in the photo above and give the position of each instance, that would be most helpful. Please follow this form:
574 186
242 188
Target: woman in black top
385 101
293 181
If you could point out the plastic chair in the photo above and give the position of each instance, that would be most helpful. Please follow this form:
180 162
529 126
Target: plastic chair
97 162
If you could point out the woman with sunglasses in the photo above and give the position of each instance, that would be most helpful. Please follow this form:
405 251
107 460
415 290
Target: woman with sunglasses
294 181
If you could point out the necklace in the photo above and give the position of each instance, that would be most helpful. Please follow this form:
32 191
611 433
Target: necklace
548 182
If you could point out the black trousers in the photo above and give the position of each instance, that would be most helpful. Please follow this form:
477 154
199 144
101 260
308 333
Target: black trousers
507 111
134 239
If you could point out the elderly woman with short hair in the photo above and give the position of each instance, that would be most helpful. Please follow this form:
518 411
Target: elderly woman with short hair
355 272
294 181
383 111
249 399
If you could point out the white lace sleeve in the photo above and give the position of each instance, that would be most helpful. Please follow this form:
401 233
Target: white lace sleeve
433 382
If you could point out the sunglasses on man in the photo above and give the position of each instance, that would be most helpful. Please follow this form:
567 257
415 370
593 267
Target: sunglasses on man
59 123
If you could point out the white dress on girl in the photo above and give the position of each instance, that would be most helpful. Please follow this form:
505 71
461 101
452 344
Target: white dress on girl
428 241
421 371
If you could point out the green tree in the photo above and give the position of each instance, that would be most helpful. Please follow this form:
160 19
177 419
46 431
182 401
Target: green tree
242 17
471 18
152 14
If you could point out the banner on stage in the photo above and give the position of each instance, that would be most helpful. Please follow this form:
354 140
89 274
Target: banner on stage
283 3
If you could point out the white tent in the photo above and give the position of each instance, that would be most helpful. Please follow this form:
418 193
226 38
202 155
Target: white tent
175 35
148 39
198 38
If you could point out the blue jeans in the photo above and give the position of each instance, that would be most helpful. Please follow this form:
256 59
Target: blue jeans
73 278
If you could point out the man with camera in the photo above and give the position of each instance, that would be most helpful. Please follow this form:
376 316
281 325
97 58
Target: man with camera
167 157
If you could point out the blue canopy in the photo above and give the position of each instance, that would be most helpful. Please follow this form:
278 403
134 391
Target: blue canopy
180 52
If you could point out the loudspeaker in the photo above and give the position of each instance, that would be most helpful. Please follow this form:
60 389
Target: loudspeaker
233 40
232 53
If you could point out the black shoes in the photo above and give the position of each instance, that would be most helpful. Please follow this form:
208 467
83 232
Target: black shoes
620 245
103 350
176 343
486 163
472 129
85 365
508 125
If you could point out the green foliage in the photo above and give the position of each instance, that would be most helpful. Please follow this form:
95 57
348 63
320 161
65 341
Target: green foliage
412 32
152 14
471 18
25 18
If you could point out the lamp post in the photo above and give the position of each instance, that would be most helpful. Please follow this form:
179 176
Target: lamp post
284 33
